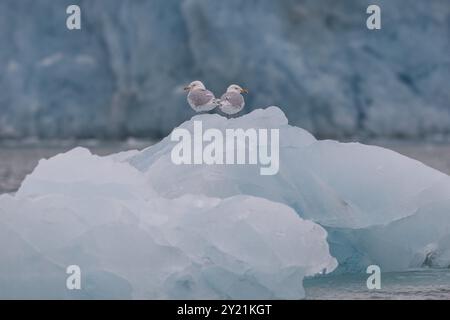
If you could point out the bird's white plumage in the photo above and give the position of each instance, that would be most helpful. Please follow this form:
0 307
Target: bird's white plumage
199 98
232 101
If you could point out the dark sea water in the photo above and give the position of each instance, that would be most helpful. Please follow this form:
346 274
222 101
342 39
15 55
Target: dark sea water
18 160
424 284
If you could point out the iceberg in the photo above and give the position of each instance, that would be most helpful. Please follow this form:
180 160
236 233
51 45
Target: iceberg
141 226
378 206
100 214
335 184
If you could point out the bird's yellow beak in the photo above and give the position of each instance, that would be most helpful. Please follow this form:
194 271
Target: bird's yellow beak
244 91
187 88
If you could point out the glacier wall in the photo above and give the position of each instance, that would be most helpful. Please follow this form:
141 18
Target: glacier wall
122 73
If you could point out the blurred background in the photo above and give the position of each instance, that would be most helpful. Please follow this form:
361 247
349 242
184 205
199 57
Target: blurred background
116 83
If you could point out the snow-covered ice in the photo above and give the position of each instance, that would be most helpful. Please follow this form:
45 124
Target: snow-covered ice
140 226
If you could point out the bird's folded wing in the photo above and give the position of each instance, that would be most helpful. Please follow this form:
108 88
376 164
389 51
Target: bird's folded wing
201 97
234 98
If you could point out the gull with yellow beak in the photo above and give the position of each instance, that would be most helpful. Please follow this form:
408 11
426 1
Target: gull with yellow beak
199 98
232 101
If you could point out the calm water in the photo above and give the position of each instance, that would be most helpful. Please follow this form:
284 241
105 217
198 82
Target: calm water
16 161
418 284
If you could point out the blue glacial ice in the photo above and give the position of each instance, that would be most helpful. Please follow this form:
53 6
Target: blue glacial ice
377 205
121 73
130 242
140 226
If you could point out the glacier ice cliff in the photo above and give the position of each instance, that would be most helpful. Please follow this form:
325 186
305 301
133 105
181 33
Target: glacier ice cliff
118 76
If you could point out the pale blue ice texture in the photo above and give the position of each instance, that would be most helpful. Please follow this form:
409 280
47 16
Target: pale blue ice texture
378 206
142 227
103 215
